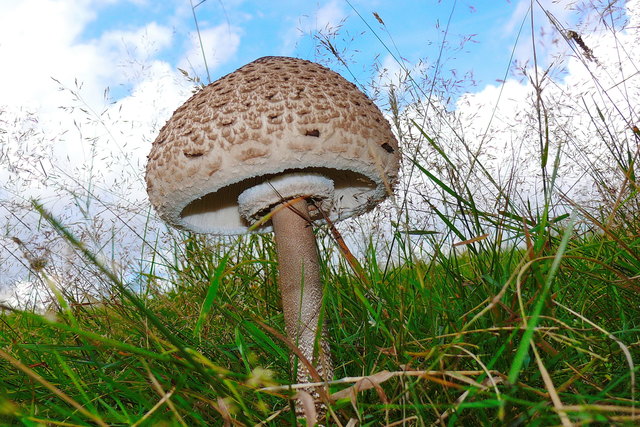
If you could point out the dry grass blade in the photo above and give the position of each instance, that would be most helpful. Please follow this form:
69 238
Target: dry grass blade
553 394
344 249
365 383
309 407
383 376
352 422
33 375
267 217
623 348
165 399
403 422
320 387
463 396
225 412
466 285
484 369
472 240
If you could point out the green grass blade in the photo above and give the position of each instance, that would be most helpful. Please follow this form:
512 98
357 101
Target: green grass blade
212 292
441 184
523 349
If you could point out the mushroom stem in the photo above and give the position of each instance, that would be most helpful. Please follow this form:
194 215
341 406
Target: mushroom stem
300 286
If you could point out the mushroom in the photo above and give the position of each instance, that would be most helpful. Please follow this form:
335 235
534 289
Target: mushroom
279 136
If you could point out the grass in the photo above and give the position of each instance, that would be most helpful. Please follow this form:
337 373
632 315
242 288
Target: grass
510 336
472 305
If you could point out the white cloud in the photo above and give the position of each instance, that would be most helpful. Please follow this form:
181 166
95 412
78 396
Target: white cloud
93 146
329 15
514 22
326 17
506 129
498 127
25 295
37 42
548 42
132 50
108 145
219 43
633 13
562 11
323 19
391 71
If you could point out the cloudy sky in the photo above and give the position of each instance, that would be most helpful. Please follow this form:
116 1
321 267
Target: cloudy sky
122 44
102 75
86 84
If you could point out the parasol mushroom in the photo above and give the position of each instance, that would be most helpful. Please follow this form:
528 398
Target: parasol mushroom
279 136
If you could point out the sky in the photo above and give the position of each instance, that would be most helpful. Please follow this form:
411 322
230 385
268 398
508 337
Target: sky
85 85
120 44
91 70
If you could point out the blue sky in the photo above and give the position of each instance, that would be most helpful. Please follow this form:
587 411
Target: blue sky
481 34
134 48
121 43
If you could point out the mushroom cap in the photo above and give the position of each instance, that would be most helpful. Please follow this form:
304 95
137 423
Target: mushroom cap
273 116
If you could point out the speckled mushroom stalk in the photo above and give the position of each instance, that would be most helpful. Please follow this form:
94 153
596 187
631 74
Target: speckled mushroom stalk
300 286
287 197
